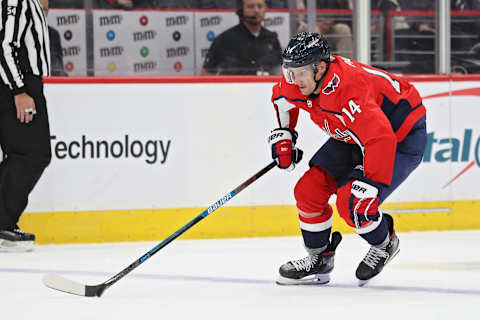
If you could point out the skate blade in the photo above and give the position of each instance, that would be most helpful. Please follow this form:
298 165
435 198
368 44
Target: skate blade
16 246
361 283
319 279
392 256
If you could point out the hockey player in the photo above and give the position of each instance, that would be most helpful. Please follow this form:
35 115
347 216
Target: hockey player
376 124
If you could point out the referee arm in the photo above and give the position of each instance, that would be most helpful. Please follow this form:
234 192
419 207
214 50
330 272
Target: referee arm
13 24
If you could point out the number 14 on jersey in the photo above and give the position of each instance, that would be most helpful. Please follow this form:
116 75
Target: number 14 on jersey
354 108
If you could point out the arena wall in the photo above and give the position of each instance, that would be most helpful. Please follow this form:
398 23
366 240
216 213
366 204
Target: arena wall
137 158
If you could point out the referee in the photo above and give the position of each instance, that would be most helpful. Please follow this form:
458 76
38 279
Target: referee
24 128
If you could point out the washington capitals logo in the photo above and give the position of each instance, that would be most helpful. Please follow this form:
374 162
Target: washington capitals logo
332 85
338 135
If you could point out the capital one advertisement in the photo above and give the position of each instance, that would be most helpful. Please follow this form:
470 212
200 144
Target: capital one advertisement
70 25
143 43
451 164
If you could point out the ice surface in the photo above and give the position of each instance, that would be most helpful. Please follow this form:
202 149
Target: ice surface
435 276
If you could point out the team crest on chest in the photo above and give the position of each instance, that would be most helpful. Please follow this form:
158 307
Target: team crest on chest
338 135
309 103
332 84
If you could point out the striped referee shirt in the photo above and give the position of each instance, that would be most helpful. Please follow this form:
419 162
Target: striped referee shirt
25 46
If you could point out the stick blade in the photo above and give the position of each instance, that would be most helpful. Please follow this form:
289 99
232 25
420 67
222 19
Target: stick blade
59 283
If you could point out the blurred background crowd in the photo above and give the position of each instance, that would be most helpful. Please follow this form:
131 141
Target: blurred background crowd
402 35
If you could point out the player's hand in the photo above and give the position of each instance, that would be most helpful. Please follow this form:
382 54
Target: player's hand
25 107
364 203
282 142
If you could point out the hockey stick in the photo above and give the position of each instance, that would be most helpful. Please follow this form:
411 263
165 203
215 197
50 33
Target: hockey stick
62 284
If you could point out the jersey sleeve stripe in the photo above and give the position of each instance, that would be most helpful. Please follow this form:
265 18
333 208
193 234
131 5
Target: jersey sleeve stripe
330 111
409 122
284 105
290 99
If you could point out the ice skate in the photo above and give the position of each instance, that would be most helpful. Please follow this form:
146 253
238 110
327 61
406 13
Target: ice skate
377 258
313 269
16 240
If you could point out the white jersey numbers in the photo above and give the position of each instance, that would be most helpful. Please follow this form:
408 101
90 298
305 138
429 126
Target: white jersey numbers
354 108
348 61
395 84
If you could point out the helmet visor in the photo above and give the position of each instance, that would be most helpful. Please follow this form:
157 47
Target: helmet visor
298 74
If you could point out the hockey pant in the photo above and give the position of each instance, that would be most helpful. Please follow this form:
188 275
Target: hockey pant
332 170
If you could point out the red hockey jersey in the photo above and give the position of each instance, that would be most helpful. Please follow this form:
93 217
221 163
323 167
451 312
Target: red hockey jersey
357 104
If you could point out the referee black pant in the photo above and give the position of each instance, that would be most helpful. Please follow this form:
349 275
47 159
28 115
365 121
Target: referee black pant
27 150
